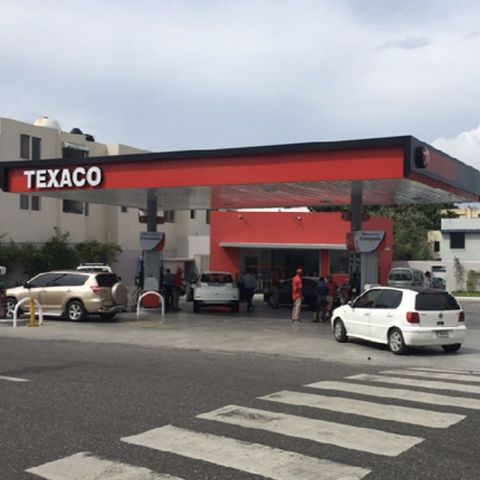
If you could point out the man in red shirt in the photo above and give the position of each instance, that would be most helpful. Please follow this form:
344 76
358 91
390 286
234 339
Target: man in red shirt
297 295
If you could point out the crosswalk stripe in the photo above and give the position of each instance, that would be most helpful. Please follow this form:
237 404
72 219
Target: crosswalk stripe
447 370
398 393
85 466
441 376
457 387
13 379
414 416
332 433
253 458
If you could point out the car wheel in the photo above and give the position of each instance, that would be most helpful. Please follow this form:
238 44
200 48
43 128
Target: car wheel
107 316
396 343
339 331
76 311
10 307
235 307
196 306
452 348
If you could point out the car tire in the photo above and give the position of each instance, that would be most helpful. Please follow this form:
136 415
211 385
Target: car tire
396 343
10 303
339 331
108 316
119 294
76 311
452 348
196 306
235 307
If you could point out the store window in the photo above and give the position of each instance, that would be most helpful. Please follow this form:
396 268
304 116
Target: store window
339 261
207 217
169 216
457 240
35 203
24 202
72 206
192 214
25 146
36 148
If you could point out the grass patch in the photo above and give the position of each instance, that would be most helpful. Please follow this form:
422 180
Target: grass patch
461 293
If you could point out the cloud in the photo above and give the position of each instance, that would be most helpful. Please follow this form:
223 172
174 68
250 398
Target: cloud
410 43
465 146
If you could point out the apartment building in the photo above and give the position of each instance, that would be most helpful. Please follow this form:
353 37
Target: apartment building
31 218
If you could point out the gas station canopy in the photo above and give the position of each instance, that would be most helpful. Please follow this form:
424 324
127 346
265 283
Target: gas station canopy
393 170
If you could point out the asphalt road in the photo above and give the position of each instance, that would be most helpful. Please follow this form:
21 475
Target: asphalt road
87 397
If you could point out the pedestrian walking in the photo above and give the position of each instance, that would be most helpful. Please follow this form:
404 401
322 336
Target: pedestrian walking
321 305
297 295
249 287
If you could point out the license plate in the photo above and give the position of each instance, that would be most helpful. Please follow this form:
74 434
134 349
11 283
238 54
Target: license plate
443 333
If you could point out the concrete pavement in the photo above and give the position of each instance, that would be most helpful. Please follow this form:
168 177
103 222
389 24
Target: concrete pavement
265 332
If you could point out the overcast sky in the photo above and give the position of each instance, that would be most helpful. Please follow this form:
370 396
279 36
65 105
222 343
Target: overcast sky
173 74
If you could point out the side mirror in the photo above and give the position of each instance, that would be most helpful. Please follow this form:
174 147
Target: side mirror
27 285
350 303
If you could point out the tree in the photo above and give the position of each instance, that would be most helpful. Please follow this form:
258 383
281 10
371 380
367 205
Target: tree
410 226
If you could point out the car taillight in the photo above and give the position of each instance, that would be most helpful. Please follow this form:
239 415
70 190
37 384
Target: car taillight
96 289
413 317
461 317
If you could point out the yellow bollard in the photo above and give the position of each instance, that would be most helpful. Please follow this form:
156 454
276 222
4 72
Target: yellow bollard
33 322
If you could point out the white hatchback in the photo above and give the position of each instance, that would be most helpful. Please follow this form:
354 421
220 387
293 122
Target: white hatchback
402 317
215 288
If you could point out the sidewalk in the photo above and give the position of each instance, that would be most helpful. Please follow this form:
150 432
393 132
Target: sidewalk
264 332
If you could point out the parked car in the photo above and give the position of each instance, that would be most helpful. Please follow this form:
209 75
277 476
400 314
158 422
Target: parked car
402 317
72 293
285 293
215 288
405 277
439 282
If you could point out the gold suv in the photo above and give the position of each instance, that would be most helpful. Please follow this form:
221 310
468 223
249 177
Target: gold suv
73 294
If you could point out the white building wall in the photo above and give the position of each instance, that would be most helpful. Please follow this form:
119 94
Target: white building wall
186 238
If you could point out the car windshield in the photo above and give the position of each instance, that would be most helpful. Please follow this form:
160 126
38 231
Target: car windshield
400 275
216 278
435 301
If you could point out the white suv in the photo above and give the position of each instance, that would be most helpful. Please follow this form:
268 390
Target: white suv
215 288
402 317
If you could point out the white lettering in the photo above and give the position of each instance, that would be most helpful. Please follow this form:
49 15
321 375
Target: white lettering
77 180
65 181
94 176
53 182
29 174
60 178
41 178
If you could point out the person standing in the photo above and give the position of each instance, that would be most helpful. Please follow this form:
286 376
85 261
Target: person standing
297 295
427 280
168 287
322 292
249 287
177 289
275 297
332 292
